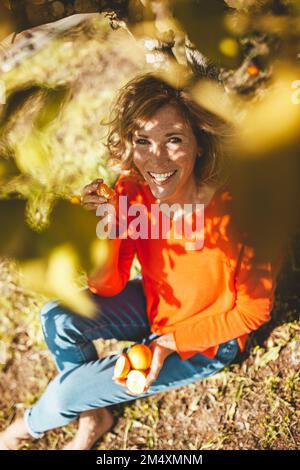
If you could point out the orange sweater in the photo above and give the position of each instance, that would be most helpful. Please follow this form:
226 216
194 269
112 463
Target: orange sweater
204 296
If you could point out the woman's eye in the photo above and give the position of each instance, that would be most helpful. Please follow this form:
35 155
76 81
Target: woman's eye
141 141
172 140
175 140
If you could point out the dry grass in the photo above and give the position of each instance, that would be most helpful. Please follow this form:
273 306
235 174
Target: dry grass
254 404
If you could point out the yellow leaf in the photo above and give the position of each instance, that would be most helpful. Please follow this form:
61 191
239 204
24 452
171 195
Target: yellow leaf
55 278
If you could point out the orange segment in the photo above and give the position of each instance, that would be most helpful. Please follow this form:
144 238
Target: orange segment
122 367
105 191
136 380
140 356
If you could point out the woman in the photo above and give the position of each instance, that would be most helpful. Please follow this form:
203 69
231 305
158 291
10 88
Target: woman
194 303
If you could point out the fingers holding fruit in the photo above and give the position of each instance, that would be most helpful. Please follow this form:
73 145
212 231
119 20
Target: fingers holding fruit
92 187
105 191
159 354
131 369
91 202
94 194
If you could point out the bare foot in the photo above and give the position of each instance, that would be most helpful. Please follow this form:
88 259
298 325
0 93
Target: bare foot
12 437
92 425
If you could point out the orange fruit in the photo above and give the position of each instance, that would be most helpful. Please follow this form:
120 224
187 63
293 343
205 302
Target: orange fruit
136 380
122 367
253 70
75 200
105 191
140 356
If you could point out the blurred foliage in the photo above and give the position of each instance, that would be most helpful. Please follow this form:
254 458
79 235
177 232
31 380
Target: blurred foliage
265 158
51 144
58 81
202 20
56 87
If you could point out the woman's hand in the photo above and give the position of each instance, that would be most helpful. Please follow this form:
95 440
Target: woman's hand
161 348
90 200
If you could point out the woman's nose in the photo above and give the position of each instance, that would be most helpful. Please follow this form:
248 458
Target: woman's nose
159 151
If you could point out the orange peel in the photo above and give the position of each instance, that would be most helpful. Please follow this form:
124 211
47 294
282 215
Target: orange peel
140 356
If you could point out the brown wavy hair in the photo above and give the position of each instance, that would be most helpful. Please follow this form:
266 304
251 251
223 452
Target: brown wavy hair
139 99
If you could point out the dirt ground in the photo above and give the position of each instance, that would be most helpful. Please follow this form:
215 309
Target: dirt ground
253 404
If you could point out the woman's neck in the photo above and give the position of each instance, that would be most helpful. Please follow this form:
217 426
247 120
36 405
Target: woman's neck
195 194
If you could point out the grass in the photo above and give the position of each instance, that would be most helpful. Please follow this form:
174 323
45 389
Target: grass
252 404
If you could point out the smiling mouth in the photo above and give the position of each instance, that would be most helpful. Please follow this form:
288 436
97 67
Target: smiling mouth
161 177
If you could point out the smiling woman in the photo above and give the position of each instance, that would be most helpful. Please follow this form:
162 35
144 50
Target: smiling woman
166 158
150 117
194 306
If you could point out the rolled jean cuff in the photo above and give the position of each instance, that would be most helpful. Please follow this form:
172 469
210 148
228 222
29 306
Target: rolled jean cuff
35 435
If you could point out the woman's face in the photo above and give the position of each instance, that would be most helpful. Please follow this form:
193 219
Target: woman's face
164 151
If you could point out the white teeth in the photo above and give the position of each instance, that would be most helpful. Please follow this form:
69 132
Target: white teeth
162 176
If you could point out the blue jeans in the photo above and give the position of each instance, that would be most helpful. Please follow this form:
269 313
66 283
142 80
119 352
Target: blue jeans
84 381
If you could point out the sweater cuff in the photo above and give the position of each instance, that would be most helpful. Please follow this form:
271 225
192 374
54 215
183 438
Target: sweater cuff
180 341
186 355
183 354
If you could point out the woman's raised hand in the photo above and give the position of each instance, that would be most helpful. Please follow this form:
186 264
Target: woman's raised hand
91 199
